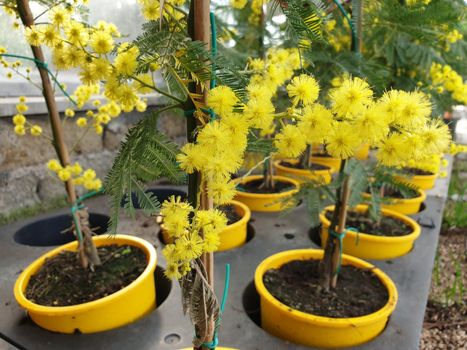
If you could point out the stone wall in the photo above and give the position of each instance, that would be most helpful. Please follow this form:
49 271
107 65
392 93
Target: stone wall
25 181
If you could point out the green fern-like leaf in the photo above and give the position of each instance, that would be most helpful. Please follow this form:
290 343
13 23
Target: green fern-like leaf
145 155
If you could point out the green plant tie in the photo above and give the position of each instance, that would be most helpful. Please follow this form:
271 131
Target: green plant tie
215 341
340 238
346 15
41 65
78 205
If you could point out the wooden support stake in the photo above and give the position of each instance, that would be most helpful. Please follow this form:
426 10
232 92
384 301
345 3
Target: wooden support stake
87 250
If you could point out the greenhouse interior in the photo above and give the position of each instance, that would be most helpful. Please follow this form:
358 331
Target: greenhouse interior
233 174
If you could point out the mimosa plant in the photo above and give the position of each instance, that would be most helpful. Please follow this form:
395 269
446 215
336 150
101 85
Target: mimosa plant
71 174
397 125
177 46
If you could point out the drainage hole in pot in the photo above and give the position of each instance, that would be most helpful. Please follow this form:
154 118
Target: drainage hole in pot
289 235
314 233
172 338
251 303
56 230
163 285
161 194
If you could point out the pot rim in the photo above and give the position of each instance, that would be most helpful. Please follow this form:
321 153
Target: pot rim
23 279
303 254
369 237
277 164
420 198
245 217
267 195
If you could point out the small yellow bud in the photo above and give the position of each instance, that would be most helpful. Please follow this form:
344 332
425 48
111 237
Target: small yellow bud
21 108
54 165
22 99
81 122
76 169
89 174
99 129
64 174
19 119
36 130
69 112
154 66
20 130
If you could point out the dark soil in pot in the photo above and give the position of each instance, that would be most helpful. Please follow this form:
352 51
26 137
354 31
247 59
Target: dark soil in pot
415 171
314 166
296 284
387 227
255 187
230 212
390 193
61 281
322 155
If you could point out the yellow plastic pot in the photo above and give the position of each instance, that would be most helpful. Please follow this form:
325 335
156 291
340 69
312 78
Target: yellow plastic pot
424 182
302 174
407 206
362 152
233 235
318 331
266 202
334 163
368 246
115 310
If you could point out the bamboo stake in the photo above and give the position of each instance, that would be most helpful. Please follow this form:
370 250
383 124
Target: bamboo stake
200 30
87 250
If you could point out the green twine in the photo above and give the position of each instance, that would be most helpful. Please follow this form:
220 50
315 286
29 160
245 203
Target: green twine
340 238
42 65
346 15
78 205
215 341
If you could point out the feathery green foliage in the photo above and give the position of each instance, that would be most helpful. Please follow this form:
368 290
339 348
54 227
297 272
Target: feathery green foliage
145 155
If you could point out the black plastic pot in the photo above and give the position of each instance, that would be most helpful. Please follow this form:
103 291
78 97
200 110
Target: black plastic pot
161 194
56 230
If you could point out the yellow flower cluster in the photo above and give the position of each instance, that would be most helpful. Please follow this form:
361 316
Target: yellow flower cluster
194 232
398 125
416 2
151 9
20 122
88 49
446 78
219 147
75 173
456 148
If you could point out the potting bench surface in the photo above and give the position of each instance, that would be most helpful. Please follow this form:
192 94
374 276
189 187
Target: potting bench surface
167 328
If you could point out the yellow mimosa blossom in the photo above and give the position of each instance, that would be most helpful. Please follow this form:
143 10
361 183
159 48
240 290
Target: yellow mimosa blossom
33 36
21 108
222 100
102 42
290 142
222 192
19 119
351 98
54 165
303 89
315 123
36 130
238 4
81 122
64 174
20 130
343 141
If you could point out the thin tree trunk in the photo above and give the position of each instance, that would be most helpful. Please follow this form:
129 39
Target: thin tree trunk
340 230
200 29
87 251
305 159
331 250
